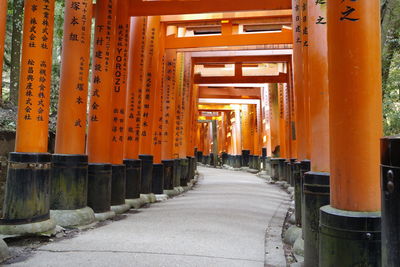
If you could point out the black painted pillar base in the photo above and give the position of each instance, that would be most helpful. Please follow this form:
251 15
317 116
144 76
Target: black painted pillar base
251 162
237 159
245 158
99 190
177 172
349 238
118 184
290 171
282 169
191 171
158 179
199 156
26 208
168 171
316 195
133 177
147 174
267 166
211 159
69 182
390 192
184 171
68 194
257 162
305 166
204 160
274 169
224 158
118 189
297 192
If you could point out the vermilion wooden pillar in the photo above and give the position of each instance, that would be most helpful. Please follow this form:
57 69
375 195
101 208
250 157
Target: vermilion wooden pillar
274 120
70 160
169 102
293 125
168 121
317 180
3 20
118 182
178 106
266 120
158 173
26 204
133 109
282 122
298 80
151 70
305 75
185 105
135 81
247 128
100 109
355 128
158 101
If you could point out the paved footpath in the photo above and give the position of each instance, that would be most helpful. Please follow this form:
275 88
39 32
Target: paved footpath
223 221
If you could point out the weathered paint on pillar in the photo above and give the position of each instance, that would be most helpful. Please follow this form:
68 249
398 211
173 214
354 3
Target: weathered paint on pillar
135 81
120 83
319 95
100 108
151 67
75 60
298 80
3 21
355 103
167 147
35 77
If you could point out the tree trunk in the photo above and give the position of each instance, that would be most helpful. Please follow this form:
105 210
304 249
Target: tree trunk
18 12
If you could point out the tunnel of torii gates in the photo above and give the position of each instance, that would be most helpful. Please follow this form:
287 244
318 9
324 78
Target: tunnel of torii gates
250 81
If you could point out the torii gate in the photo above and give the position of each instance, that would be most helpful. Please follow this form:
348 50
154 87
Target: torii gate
140 62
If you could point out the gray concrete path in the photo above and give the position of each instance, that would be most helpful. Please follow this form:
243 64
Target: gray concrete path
224 221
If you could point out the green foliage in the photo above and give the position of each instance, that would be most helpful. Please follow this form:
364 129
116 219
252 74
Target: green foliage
391 66
391 98
57 48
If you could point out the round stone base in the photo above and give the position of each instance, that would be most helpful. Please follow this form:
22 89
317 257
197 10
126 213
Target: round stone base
171 193
135 203
152 198
179 189
149 198
4 252
161 197
119 209
73 218
104 215
28 228
145 198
